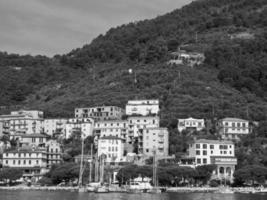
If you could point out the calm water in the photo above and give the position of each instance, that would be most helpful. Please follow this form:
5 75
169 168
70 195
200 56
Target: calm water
41 195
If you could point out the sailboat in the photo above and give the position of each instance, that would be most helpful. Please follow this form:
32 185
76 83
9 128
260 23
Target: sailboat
155 188
102 188
81 188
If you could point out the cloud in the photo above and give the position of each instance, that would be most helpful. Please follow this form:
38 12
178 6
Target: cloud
58 26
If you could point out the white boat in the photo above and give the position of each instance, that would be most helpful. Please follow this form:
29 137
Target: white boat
102 189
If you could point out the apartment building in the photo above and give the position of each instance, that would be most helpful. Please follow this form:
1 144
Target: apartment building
116 128
54 153
191 124
219 153
142 107
23 121
32 161
154 140
183 57
33 140
233 128
112 147
100 113
35 114
83 126
55 126
26 126
136 124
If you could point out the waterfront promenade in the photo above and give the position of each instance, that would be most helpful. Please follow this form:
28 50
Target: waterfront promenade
169 189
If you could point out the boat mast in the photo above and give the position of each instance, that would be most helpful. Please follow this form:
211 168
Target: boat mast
90 166
81 164
154 169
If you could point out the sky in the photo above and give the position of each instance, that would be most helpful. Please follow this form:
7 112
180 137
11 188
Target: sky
49 27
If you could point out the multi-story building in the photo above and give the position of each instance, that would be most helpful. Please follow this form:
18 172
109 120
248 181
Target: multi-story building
35 114
23 121
55 126
26 126
116 128
32 161
33 140
154 140
100 113
83 126
112 147
219 153
136 124
142 107
54 153
233 128
191 124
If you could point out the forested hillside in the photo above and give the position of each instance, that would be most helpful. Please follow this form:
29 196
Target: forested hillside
232 81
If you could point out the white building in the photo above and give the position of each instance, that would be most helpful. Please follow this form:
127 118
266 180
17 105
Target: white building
36 114
33 162
33 140
154 139
191 124
142 107
26 126
54 153
182 57
84 126
233 128
53 126
23 121
136 124
112 148
219 153
116 128
100 113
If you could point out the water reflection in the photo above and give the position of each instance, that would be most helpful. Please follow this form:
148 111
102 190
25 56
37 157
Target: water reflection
42 195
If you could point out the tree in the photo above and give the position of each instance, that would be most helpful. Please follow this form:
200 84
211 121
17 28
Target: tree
10 174
204 172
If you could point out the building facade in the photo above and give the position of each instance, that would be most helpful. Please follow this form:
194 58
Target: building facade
191 124
100 113
116 128
233 128
26 126
219 153
136 125
35 114
142 107
83 126
33 162
112 148
55 126
154 140
54 153
33 140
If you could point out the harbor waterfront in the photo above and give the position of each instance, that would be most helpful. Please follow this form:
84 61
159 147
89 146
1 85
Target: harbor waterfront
66 195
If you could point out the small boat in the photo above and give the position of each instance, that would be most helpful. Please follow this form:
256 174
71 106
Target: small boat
102 189
154 190
225 190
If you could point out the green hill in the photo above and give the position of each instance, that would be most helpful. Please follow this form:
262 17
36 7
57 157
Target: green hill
232 82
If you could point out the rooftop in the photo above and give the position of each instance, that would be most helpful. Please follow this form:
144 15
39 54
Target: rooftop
213 141
234 119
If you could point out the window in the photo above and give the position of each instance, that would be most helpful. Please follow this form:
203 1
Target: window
30 162
204 160
7 162
14 162
197 152
197 146
230 152
198 161
211 146
147 150
204 146
211 152
19 162
24 162
204 153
